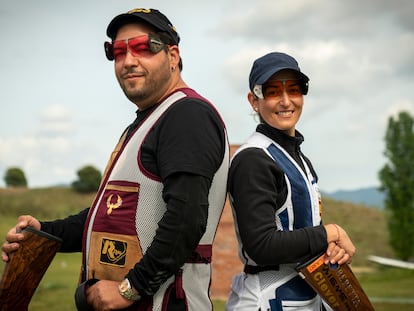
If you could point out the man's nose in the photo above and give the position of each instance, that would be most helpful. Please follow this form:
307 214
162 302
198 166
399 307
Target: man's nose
130 59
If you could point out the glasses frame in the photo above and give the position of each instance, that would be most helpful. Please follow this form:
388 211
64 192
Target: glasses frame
155 45
259 88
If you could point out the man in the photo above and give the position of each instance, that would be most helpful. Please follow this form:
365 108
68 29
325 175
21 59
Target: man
146 239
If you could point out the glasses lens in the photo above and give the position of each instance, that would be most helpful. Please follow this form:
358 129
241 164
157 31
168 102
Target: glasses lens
138 45
117 50
275 89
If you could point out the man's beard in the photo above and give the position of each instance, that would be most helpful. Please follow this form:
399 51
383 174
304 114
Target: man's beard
148 89
135 96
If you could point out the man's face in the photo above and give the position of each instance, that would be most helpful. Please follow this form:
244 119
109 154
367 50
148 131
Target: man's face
144 77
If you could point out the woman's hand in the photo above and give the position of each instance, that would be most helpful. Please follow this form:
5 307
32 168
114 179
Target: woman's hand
340 247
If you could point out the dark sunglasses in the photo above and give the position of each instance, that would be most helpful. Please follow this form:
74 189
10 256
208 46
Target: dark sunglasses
137 46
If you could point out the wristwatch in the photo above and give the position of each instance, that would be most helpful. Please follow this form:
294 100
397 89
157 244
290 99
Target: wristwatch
126 290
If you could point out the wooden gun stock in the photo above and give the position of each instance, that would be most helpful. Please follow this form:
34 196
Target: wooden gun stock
336 284
25 269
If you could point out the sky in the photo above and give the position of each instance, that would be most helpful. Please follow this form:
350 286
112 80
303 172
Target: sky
61 107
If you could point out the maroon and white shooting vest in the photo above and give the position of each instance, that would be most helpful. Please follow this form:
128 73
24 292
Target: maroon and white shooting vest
127 209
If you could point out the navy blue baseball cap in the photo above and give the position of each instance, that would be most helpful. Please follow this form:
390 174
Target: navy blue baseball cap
151 16
269 64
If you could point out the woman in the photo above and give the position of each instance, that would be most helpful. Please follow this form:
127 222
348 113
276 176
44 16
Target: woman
275 199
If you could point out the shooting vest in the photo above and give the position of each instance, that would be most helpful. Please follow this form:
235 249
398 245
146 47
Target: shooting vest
124 217
271 286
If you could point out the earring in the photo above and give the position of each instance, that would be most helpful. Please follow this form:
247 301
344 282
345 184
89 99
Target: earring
172 69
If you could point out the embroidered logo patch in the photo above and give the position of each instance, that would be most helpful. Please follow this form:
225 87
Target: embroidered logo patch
110 205
113 252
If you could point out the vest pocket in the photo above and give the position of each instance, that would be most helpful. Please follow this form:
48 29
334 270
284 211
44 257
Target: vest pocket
115 246
117 208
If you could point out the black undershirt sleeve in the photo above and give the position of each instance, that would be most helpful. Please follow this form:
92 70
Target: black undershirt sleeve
189 138
185 149
70 230
179 232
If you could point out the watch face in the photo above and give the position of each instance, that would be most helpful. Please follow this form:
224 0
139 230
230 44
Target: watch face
124 286
126 290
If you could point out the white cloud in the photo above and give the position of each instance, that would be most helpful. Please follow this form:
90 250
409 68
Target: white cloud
56 120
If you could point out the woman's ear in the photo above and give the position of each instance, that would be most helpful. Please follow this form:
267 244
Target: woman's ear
253 100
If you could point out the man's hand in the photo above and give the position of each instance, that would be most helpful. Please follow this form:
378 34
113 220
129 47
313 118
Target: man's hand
104 295
14 237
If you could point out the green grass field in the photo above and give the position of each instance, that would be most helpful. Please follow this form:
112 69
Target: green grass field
388 288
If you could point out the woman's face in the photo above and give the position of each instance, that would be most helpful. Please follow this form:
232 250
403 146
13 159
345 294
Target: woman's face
282 104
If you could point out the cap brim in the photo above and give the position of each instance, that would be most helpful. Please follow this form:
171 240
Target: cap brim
266 76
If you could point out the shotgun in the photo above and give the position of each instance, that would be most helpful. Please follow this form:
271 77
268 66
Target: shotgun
25 269
336 284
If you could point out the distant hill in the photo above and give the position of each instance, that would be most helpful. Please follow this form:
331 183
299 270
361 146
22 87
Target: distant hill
367 196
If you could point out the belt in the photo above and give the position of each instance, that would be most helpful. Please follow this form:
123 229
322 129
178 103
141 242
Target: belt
249 269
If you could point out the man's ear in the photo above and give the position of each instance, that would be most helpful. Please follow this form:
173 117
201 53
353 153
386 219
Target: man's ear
174 56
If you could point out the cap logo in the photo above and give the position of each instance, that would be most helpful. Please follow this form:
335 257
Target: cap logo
147 11
139 11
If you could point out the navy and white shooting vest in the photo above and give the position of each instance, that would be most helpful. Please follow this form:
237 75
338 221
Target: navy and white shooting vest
302 208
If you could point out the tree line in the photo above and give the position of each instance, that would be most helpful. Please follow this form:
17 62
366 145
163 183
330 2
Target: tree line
88 180
396 182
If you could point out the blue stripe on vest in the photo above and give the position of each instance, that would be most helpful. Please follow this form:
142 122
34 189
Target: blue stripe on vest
294 290
302 205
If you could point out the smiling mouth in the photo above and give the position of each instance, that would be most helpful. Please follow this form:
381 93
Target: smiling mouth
285 113
132 76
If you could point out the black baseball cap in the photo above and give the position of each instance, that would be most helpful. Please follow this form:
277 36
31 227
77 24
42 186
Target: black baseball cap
151 16
269 64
